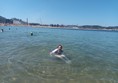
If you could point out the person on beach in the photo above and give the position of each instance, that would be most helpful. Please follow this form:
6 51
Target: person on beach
57 51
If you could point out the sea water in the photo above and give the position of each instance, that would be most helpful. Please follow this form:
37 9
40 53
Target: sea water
25 58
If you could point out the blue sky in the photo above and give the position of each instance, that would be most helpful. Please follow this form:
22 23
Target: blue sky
80 12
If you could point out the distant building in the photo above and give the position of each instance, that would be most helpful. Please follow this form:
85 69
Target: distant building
16 22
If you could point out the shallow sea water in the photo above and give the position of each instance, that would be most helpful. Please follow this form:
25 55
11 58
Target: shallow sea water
26 59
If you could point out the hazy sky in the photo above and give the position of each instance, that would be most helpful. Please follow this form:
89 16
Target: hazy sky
81 12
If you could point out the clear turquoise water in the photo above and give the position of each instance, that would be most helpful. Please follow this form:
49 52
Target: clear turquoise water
25 58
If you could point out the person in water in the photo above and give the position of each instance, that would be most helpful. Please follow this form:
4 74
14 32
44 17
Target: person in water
31 33
57 51
2 30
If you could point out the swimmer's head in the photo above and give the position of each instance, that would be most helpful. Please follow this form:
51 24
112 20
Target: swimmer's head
59 47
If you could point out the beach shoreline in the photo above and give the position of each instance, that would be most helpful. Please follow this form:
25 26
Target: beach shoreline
63 27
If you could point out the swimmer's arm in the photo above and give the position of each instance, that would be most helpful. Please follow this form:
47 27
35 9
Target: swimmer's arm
53 51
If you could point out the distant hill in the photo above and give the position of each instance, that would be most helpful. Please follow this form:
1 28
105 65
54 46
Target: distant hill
5 20
2 19
11 21
97 27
